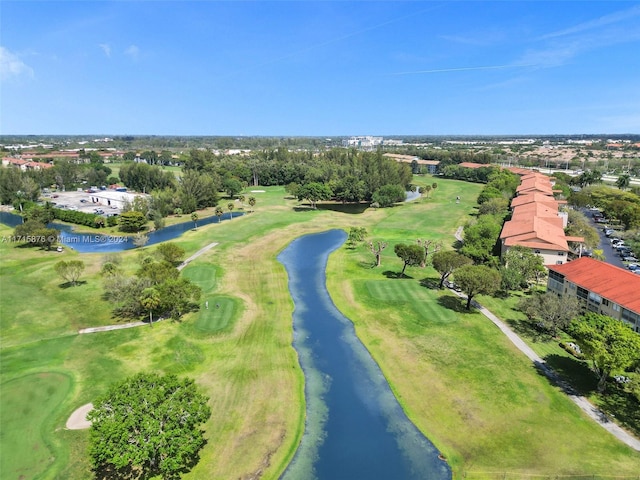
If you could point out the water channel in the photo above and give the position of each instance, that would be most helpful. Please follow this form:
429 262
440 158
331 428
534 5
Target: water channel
354 428
99 243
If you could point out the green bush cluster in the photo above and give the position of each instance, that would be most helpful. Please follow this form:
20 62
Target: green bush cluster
79 218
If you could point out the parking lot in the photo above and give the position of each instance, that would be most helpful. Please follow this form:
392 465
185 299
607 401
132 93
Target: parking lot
611 254
99 203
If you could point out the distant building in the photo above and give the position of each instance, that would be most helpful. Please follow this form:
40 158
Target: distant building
430 165
25 165
600 287
363 142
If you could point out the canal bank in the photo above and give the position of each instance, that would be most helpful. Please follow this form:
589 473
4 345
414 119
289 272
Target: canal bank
354 426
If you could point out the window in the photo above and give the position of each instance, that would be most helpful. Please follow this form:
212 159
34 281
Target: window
583 294
558 262
615 307
605 302
561 254
536 251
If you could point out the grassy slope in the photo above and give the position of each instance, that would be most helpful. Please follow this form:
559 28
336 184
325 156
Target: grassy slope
250 370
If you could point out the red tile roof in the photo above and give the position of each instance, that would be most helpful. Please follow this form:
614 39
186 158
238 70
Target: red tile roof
613 283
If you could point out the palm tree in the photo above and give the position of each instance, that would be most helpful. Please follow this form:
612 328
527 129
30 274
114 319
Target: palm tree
194 218
428 190
150 300
230 206
219 213
623 181
252 202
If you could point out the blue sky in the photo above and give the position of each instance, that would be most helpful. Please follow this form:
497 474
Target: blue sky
319 68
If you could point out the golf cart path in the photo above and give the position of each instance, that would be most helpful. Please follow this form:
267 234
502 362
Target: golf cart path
591 410
121 326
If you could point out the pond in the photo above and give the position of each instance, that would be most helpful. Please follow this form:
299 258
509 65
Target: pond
355 427
99 243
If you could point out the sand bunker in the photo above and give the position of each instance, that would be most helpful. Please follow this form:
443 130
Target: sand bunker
78 419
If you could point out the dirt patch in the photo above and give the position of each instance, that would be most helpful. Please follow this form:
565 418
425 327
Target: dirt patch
78 419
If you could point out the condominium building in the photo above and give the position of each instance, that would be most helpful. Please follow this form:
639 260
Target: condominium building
601 287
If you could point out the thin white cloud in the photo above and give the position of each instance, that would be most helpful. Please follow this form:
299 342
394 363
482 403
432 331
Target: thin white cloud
11 66
132 51
605 20
106 48
461 69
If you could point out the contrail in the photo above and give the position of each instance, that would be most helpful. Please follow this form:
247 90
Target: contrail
461 69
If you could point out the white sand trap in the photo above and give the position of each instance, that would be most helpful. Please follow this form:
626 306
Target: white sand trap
78 419
258 191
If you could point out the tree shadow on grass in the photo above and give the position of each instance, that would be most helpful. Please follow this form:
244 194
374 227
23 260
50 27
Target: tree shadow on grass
456 304
623 406
352 208
66 285
573 371
526 328
390 274
430 283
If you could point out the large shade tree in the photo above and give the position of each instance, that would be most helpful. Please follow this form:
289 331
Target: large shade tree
609 343
477 279
446 262
147 425
550 311
411 255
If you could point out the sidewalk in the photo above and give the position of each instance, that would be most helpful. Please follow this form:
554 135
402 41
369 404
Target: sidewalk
582 402
108 328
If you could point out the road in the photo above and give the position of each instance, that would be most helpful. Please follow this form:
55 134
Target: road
610 254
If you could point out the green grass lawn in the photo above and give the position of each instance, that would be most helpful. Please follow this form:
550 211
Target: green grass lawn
27 405
458 378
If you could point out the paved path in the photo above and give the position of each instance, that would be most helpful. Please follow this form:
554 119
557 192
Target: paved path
121 326
196 255
591 410
458 234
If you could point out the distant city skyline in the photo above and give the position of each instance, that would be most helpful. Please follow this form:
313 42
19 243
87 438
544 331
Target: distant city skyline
319 68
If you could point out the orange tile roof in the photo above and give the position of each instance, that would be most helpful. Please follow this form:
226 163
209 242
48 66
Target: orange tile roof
474 165
613 283
534 197
540 230
536 209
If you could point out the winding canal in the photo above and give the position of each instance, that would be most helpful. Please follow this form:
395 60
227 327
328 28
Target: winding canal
100 243
355 428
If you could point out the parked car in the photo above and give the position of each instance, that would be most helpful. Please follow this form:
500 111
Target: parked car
99 211
608 232
630 258
632 266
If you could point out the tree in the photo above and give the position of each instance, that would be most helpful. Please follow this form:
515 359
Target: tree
148 425
170 252
356 234
314 192
377 248
219 213
428 190
623 181
609 343
232 186
477 279
252 202
387 195
70 270
132 221
550 311
446 262
151 301
480 239
523 266
411 255
194 219
429 247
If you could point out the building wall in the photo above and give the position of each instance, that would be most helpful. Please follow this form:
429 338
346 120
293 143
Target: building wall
549 257
593 302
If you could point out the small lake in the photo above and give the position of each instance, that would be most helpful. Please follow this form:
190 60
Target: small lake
354 428
100 243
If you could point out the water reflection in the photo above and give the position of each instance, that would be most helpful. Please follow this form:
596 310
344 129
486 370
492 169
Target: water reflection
98 242
354 426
